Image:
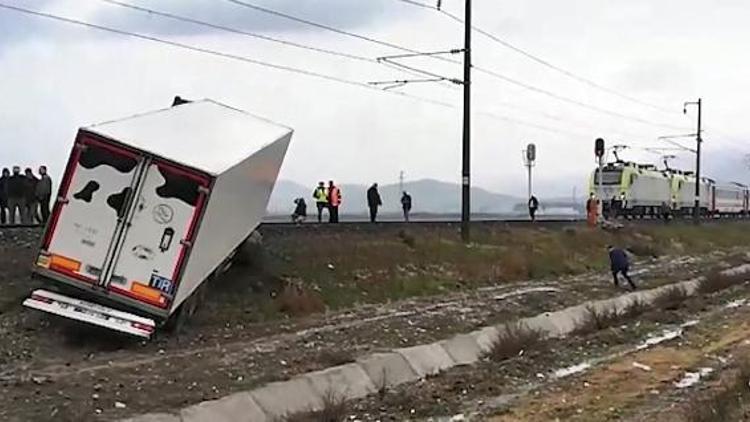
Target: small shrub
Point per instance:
(718, 281)
(334, 410)
(645, 250)
(407, 238)
(513, 339)
(296, 301)
(596, 320)
(671, 299)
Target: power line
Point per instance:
(571, 100)
(478, 68)
(275, 66)
(238, 31)
(542, 61)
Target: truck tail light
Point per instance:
(146, 292)
(59, 262)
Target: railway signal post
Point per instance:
(599, 153)
(699, 140)
(529, 159)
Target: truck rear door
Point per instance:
(160, 230)
(124, 222)
(88, 213)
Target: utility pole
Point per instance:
(699, 140)
(401, 182)
(466, 167)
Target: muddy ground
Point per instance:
(54, 370)
(612, 375)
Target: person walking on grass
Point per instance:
(619, 264)
(373, 201)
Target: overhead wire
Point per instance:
(540, 60)
(262, 63)
(488, 72)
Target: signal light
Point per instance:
(599, 147)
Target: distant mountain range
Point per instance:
(428, 196)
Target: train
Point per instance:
(639, 190)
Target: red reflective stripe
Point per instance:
(194, 175)
(90, 139)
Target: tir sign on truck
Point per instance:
(152, 206)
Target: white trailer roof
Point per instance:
(204, 135)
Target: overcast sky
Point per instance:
(56, 77)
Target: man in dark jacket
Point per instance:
(32, 204)
(373, 201)
(4, 196)
(406, 205)
(533, 206)
(619, 263)
(44, 193)
(16, 186)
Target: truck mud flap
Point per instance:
(90, 313)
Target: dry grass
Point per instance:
(671, 299)
(334, 409)
(634, 309)
(514, 339)
(728, 402)
(295, 300)
(330, 357)
(718, 281)
(597, 319)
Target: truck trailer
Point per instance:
(149, 208)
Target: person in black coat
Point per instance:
(619, 264)
(373, 201)
(4, 196)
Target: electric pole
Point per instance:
(699, 140)
(401, 182)
(466, 167)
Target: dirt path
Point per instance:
(54, 371)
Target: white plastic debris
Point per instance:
(666, 336)
(642, 366)
(564, 372)
(120, 405)
(521, 292)
(691, 378)
(735, 303)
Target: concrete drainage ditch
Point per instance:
(371, 373)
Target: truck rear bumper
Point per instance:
(91, 313)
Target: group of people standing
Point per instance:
(25, 198)
(330, 198)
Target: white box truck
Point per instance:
(152, 206)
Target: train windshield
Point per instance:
(609, 176)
